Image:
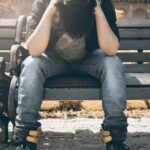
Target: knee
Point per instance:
(37, 67)
(32, 72)
(30, 64)
(112, 64)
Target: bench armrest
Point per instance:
(20, 29)
(18, 54)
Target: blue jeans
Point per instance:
(107, 69)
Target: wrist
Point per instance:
(98, 11)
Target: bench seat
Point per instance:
(81, 86)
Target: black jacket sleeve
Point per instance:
(109, 11)
(38, 9)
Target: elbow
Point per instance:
(111, 50)
(31, 50)
(34, 50)
(34, 54)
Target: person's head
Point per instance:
(76, 16)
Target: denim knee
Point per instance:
(30, 64)
(112, 65)
(32, 67)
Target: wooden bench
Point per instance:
(134, 52)
(135, 43)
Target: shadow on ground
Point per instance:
(85, 140)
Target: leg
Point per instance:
(35, 70)
(109, 71)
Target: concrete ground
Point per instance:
(83, 134)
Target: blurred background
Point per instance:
(128, 9)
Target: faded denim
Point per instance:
(109, 70)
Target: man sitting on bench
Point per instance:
(72, 36)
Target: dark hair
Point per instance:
(76, 16)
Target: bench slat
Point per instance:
(138, 79)
(6, 44)
(91, 93)
(134, 33)
(134, 57)
(134, 23)
(7, 33)
(137, 68)
(80, 80)
(134, 44)
(8, 23)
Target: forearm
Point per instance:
(38, 41)
(108, 41)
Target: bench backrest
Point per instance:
(135, 45)
(10, 33)
(134, 49)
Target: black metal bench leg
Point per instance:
(4, 90)
(4, 129)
